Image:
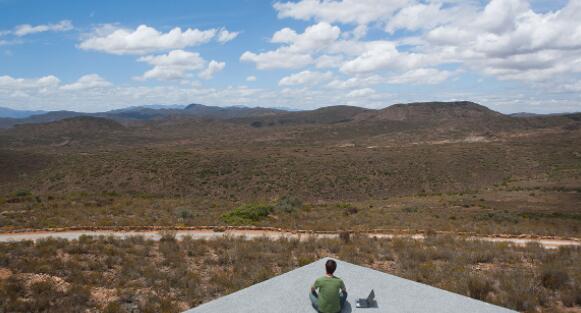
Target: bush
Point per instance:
(167, 236)
(247, 214)
(479, 287)
(345, 236)
(23, 193)
(572, 296)
(554, 278)
(350, 211)
(184, 213)
(288, 204)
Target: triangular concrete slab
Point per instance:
(289, 293)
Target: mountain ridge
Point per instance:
(415, 112)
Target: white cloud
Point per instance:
(503, 38)
(224, 35)
(27, 29)
(329, 61)
(381, 55)
(427, 76)
(299, 49)
(305, 78)
(359, 32)
(508, 40)
(213, 68)
(176, 64)
(418, 16)
(285, 35)
(34, 94)
(361, 93)
(9, 83)
(343, 11)
(144, 39)
(277, 59)
(572, 87)
(356, 82)
(87, 82)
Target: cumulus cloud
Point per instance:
(356, 82)
(365, 45)
(329, 61)
(11, 83)
(213, 68)
(224, 35)
(344, 11)
(503, 38)
(381, 55)
(418, 16)
(87, 82)
(360, 93)
(176, 64)
(277, 59)
(145, 39)
(27, 29)
(507, 39)
(305, 78)
(299, 48)
(428, 76)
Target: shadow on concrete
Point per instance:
(347, 308)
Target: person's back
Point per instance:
(329, 299)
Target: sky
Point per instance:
(90, 56)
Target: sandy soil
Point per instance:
(273, 234)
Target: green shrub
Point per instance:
(23, 193)
(288, 204)
(184, 213)
(247, 214)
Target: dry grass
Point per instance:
(120, 275)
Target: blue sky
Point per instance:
(511, 55)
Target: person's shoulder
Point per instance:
(321, 278)
(337, 278)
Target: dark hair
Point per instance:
(330, 266)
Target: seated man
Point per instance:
(329, 299)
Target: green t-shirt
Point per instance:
(329, 288)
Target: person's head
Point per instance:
(330, 266)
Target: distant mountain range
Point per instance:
(459, 113)
(11, 117)
(12, 113)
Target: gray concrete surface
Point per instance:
(288, 293)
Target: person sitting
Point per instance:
(332, 293)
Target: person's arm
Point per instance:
(314, 287)
(343, 289)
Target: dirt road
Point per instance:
(246, 233)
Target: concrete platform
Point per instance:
(288, 293)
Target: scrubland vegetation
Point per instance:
(137, 275)
(501, 210)
(523, 185)
(434, 168)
